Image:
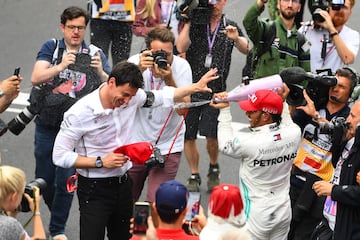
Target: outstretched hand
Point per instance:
(201, 85)
(309, 108)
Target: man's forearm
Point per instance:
(183, 42)
(242, 44)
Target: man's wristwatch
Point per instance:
(98, 162)
(1, 92)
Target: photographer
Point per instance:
(65, 70)
(313, 160)
(12, 185)
(9, 90)
(208, 45)
(342, 208)
(333, 44)
(164, 127)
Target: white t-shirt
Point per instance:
(332, 60)
(150, 121)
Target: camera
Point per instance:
(160, 58)
(156, 161)
(338, 123)
(40, 183)
(317, 5)
(198, 11)
(317, 86)
(18, 124)
(82, 61)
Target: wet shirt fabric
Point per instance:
(221, 54)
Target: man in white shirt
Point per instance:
(333, 44)
(94, 127)
(164, 127)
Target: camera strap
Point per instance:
(177, 131)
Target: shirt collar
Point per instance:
(97, 105)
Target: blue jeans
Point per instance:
(55, 194)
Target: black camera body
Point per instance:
(316, 86)
(40, 183)
(82, 60)
(156, 161)
(160, 58)
(336, 128)
(198, 11)
(317, 5)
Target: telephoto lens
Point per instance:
(18, 124)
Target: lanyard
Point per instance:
(212, 41)
(152, 82)
(166, 12)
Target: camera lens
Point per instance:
(161, 62)
(21, 120)
(40, 183)
(316, 16)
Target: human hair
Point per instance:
(73, 12)
(159, 33)
(276, 118)
(12, 180)
(350, 74)
(148, 10)
(169, 218)
(125, 72)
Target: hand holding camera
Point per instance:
(95, 62)
(31, 197)
(34, 201)
(67, 59)
(146, 60)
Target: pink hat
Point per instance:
(138, 152)
(263, 100)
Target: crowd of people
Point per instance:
(114, 127)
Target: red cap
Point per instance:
(138, 152)
(263, 100)
(225, 201)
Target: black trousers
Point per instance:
(105, 203)
(115, 34)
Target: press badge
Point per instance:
(208, 60)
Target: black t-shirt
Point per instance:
(221, 55)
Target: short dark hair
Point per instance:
(73, 12)
(276, 118)
(159, 33)
(126, 72)
(350, 74)
(170, 218)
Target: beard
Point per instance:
(338, 18)
(338, 21)
(287, 16)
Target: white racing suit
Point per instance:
(266, 155)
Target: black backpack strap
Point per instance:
(267, 39)
(301, 42)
